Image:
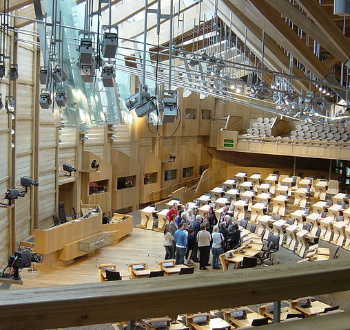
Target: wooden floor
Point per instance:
(141, 245)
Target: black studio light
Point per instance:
(69, 168)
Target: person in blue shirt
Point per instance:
(180, 238)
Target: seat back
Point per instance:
(259, 322)
(243, 223)
(112, 275)
(156, 273)
(273, 242)
(249, 262)
(185, 271)
(252, 228)
(330, 309)
(62, 212)
(55, 220)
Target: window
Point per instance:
(98, 187)
(187, 172)
(190, 113)
(149, 178)
(202, 168)
(206, 114)
(170, 175)
(126, 182)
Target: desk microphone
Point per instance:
(147, 259)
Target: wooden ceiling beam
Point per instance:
(270, 20)
(302, 21)
(330, 30)
(27, 12)
(15, 4)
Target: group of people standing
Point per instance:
(186, 234)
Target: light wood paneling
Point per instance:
(4, 160)
(24, 100)
(24, 136)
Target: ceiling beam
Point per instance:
(270, 20)
(275, 58)
(27, 12)
(302, 21)
(15, 4)
(330, 30)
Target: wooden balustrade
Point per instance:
(95, 303)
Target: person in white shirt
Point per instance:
(216, 246)
(168, 242)
(203, 239)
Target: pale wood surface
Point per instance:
(64, 306)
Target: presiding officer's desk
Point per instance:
(70, 240)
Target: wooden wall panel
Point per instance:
(67, 155)
(4, 228)
(24, 100)
(23, 217)
(24, 136)
(4, 159)
(23, 166)
(25, 64)
(47, 199)
(47, 136)
(46, 160)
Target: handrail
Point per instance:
(95, 303)
(172, 186)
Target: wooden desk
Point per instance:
(162, 219)
(263, 197)
(257, 210)
(236, 256)
(264, 188)
(240, 177)
(283, 315)
(249, 194)
(216, 192)
(138, 273)
(326, 228)
(305, 183)
(279, 205)
(172, 202)
(335, 210)
(263, 227)
(300, 196)
(204, 209)
(283, 190)
(278, 227)
(61, 243)
(239, 209)
(316, 307)
(272, 179)
(255, 178)
(169, 270)
(291, 240)
(299, 216)
(246, 186)
(239, 323)
(338, 233)
(231, 183)
(221, 202)
(147, 217)
(204, 199)
(338, 198)
(215, 323)
(233, 193)
(320, 190)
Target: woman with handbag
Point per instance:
(217, 247)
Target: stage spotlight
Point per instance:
(45, 99)
(142, 103)
(109, 44)
(87, 73)
(43, 75)
(86, 51)
(26, 182)
(13, 72)
(13, 193)
(61, 97)
(169, 106)
(95, 165)
(58, 74)
(108, 75)
(10, 104)
(68, 168)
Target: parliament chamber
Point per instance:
(174, 164)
